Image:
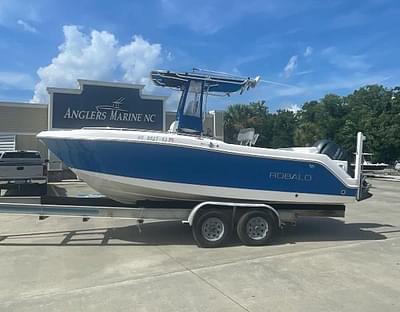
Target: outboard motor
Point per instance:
(335, 152)
(330, 148)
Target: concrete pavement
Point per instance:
(62, 264)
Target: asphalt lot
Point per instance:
(63, 264)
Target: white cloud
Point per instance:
(26, 26)
(96, 56)
(172, 102)
(170, 57)
(304, 72)
(350, 82)
(207, 18)
(309, 50)
(236, 71)
(16, 80)
(346, 61)
(13, 10)
(294, 108)
(290, 66)
(138, 58)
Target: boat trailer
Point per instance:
(212, 222)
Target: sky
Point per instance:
(301, 49)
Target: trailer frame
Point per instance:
(228, 216)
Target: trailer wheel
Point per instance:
(256, 227)
(211, 228)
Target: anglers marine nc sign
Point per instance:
(112, 112)
(108, 105)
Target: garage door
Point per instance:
(7, 143)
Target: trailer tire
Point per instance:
(211, 228)
(256, 227)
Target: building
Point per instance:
(19, 124)
(93, 104)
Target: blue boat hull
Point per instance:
(173, 166)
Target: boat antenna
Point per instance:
(281, 84)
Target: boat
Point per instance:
(368, 165)
(128, 165)
(116, 106)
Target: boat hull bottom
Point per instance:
(129, 190)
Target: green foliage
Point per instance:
(254, 115)
(374, 110)
(276, 130)
(283, 128)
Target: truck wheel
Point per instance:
(211, 228)
(256, 227)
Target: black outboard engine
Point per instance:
(334, 151)
(330, 148)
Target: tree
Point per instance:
(240, 116)
(306, 134)
(373, 109)
(320, 119)
(283, 128)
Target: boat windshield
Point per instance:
(193, 99)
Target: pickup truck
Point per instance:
(23, 171)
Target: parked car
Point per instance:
(397, 165)
(23, 172)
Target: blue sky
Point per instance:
(310, 47)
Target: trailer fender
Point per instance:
(196, 209)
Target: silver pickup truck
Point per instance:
(23, 172)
